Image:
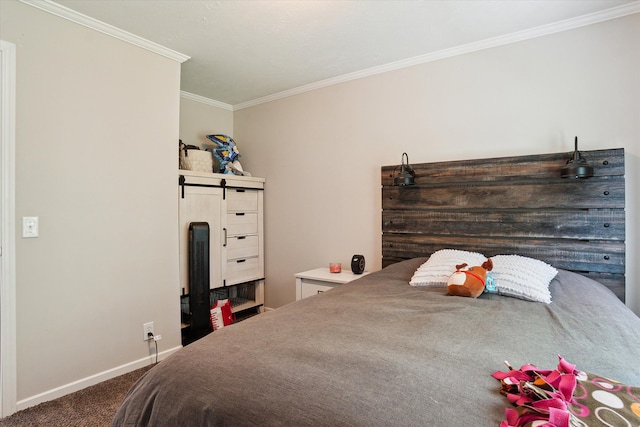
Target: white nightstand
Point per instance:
(318, 280)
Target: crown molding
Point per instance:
(556, 27)
(569, 24)
(204, 100)
(87, 21)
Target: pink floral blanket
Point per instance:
(566, 397)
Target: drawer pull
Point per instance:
(242, 237)
(240, 260)
(240, 190)
(239, 213)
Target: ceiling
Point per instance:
(244, 51)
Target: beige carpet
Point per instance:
(92, 406)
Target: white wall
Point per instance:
(96, 159)
(321, 151)
(199, 119)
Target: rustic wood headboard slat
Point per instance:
(588, 224)
(516, 194)
(532, 167)
(512, 205)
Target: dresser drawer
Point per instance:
(242, 247)
(243, 270)
(242, 223)
(310, 289)
(242, 200)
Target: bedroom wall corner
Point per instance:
(96, 133)
(199, 118)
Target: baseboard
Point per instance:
(91, 380)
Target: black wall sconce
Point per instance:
(406, 175)
(577, 166)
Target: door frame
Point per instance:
(8, 376)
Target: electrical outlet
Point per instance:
(146, 328)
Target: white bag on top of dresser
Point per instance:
(196, 160)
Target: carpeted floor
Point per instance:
(93, 406)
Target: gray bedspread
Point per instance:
(378, 352)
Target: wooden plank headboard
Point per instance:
(513, 205)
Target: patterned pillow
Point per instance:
(522, 277)
(442, 264)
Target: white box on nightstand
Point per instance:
(319, 280)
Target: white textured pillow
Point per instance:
(522, 277)
(442, 264)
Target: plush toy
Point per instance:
(469, 281)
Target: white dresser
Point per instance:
(319, 280)
(233, 208)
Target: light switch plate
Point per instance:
(29, 226)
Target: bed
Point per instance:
(379, 351)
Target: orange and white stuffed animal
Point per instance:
(469, 281)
